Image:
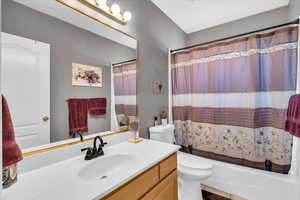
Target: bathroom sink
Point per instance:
(106, 166)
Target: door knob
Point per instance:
(46, 118)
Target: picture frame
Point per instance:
(87, 75)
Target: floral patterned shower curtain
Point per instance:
(230, 99)
(125, 91)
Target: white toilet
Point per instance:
(191, 170)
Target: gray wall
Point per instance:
(68, 44)
(294, 9)
(263, 20)
(155, 33)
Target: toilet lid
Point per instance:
(194, 162)
(161, 128)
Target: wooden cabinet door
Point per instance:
(165, 190)
(167, 166)
(136, 188)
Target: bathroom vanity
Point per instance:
(146, 170)
(158, 182)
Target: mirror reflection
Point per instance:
(124, 81)
(63, 81)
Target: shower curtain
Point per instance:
(124, 77)
(114, 124)
(230, 99)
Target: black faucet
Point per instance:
(95, 152)
(78, 133)
(100, 147)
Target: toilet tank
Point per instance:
(162, 133)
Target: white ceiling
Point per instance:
(196, 15)
(57, 10)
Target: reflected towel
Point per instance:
(97, 106)
(292, 124)
(11, 152)
(78, 115)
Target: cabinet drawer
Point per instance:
(167, 166)
(165, 190)
(137, 187)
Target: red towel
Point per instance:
(78, 115)
(97, 106)
(292, 124)
(11, 152)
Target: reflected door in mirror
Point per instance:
(26, 85)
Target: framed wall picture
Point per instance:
(86, 75)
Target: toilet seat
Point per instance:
(191, 162)
(193, 168)
(192, 171)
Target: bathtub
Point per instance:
(252, 184)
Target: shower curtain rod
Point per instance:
(124, 62)
(235, 36)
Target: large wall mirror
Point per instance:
(65, 74)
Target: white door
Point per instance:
(26, 86)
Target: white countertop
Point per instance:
(62, 181)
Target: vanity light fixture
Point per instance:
(113, 12)
(115, 9)
(127, 16)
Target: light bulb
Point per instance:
(115, 9)
(103, 2)
(127, 16)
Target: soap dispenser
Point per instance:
(156, 123)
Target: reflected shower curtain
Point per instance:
(125, 91)
(114, 124)
(230, 99)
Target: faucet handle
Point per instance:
(89, 154)
(86, 149)
(103, 144)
